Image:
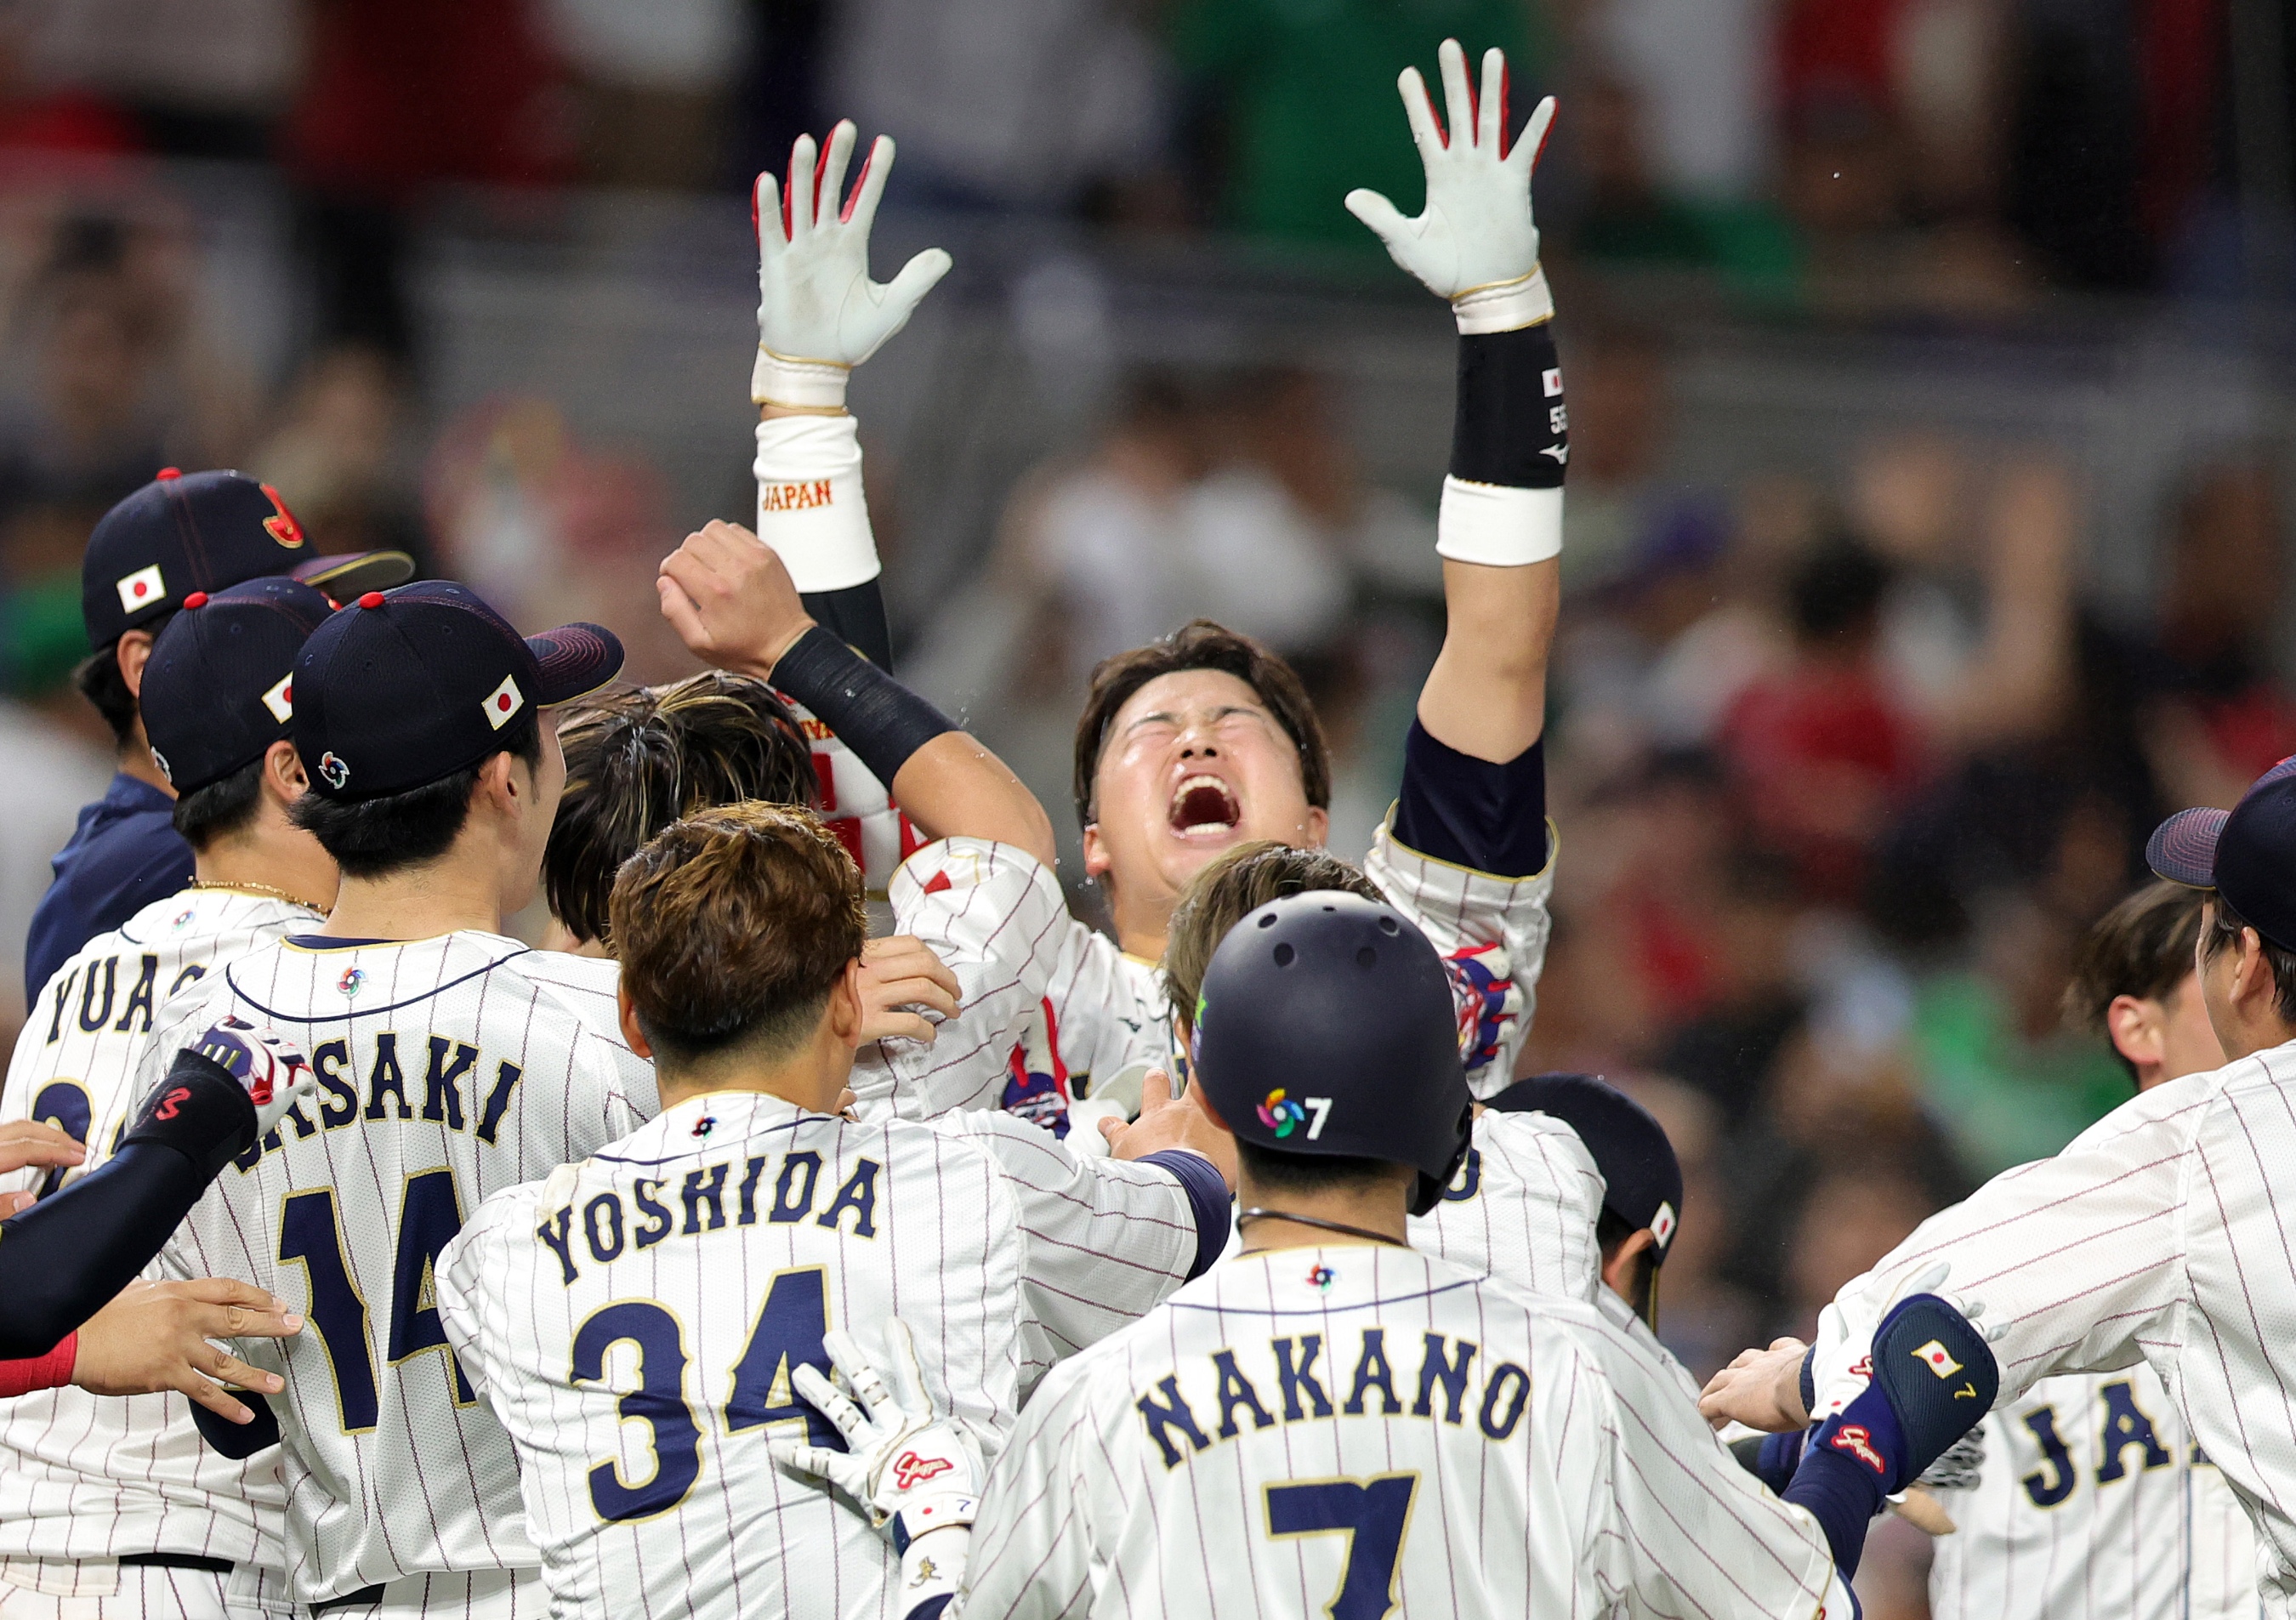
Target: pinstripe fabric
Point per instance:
(986, 1236)
(83, 1475)
(102, 1591)
(2094, 1505)
(2161, 1234)
(467, 1054)
(1598, 1487)
(1522, 1208)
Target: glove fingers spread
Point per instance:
(1490, 126)
(861, 209)
(829, 1401)
(1381, 215)
(1458, 94)
(1426, 130)
(829, 184)
(797, 216)
(908, 1375)
(766, 205)
(817, 1461)
(918, 277)
(1533, 141)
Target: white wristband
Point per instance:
(1504, 305)
(811, 507)
(786, 380)
(1497, 526)
(933, 1564)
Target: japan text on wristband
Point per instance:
(810, 504)
(789, 380)
(1504, 305)
(1499, 526)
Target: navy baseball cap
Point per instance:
(219, 687)
(404, 687)
(206, 531)
(1642, 1178)
(2246, 853)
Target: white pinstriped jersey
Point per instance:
(1106, 1012)
(1522, 1208)
(685, 1272)
(1355, 1430)
(2156, 1235)
(448, 1067)
(85, 1476)
(996, 917)
(2093, 1505)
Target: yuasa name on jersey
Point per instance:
(772, 1188)
(435, 1078)
(86, 996)
(1299, 1378)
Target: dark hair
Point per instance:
(1835, 591)
(1272, 1170)
(2142, 948)
(1201, 645)
(733, 925)
(641, 758)
(373, 838)
(98, 678)
(2224, 930)
(223, 807)
(1232, 888)
(1611, 1231)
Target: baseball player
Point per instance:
(449, 1060)
(2153, 1237)
(1206, 740)
(87, 1482)
(1331, 1421)
(636, 1320)
(2092, 1500)
(177, 535)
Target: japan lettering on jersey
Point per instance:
(91, 1476)
(1359, 1430)
(2093, 1505)
(1522, 1208)
(448, 1069)
(634, 1321)
(1109, 1013)
(2159, 1233)
(875, 831)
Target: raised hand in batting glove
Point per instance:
(223, 1094)
(1475, 241)
(819, 315)
(911, 1468)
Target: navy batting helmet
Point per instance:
(1325, 1026)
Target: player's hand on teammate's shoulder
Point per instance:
(26, 1143)
(1167, 1122)
(154, 1337)
(901, 982)
(730, 600)
(1762, 1389)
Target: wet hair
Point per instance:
(1232, 888)
(1201, 645)
(734, 925)
(373, 838)
(641, 758)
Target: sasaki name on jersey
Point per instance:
(1286, 1378)
(449, 1077)
(777, 1189)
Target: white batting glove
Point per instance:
(1474, 243)
(275, 1075)
(909, 1467)
(1837, 1378)
(819, 315)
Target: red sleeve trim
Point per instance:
(37, 1372)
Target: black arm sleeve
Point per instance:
(238, 1441)
(64, 1259)
(856, 616)
(1511, 426)
(880, 719)
(1488, 818)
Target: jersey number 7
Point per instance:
(1373, 1513)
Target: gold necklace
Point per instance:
(260, 888)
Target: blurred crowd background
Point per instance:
(1932, 406)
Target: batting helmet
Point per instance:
(1325, 1026)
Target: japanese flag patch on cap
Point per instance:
(280, 700)
(505, 702)
(142, 588)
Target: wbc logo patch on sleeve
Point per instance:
(280, 700)
(141, 589)
(504, 701)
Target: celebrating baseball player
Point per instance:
(1333, 1420)
(1206, 740)
(2151, 1238)
(637, 1320)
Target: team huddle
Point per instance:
(717, 1258)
